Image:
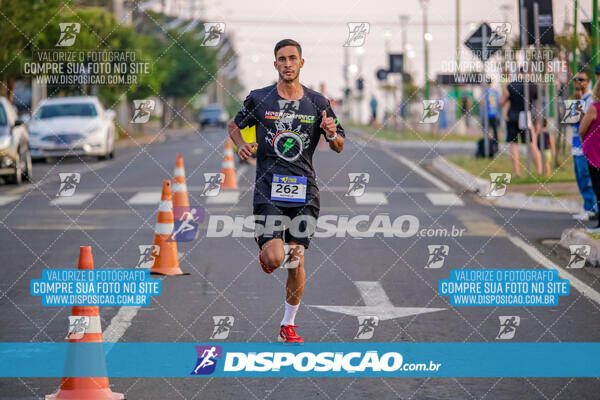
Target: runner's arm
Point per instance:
(337, 145)
(245, 150)
(245, 117)
(235, 133)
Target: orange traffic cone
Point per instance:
(167, 261)
(181, 202)
(228, 167)
(96, 388)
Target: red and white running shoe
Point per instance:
(287, 334)
(266, 269)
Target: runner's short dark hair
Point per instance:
(287, 42)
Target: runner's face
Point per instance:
(288, 63)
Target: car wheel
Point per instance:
(111, 155)
(17, 177)
(28, 172)
(106, 155)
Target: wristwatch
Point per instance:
(331, 138)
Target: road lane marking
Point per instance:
(371, 198)
(4, 200)
(417, 169)
(444, 199)
(479, 225)
(224, 197)
(377, 304)
(538, 257)
(145, 198)
(75, 200)
(119, 324)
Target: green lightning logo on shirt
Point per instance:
(289, 143)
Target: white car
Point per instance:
(72, 126)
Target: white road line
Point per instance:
(444, 199)
(118, 325)
(224, 197)
(371, 198)
(377, 304)
(4, 200)
(373, 294)
(418, 170)
(75, 200)
(546, 263)
(145, 198)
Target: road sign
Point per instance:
(476, 45)
(396, 63)
(545, 21)
(381, 74)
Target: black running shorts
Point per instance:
(302, 228)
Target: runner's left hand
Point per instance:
(328, 124)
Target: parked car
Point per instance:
(15, 158)
(213, 114)
(65, 126)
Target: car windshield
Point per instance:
(211, 111)
(3, 119)
(67, 110)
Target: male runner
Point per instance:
(289, 119)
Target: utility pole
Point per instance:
(574, 61)
(456, 87)
(425, 49)
(403, 22)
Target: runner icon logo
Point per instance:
(68, 33)
(358, 183)
(431, 111)
(68, 183)
(579, 252)
(143, 109)
(498, 182)
(366, 327)
(508, 327)
(212, 183)
(573, 111)
(185, 229)
(77, 327)
(223, 324)
(357, 34)
(148, 254)
(213, 32)
(500, 32)
(437, 255)
(207, 359)
(293, 252)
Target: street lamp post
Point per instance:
(403, 22)
(426, 39)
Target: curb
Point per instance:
(578, 237)
(474, 184)
(459, 176)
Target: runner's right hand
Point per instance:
(247, 150)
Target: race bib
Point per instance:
(288, 188)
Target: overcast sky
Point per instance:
(320, 27)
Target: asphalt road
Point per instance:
(225, 277)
